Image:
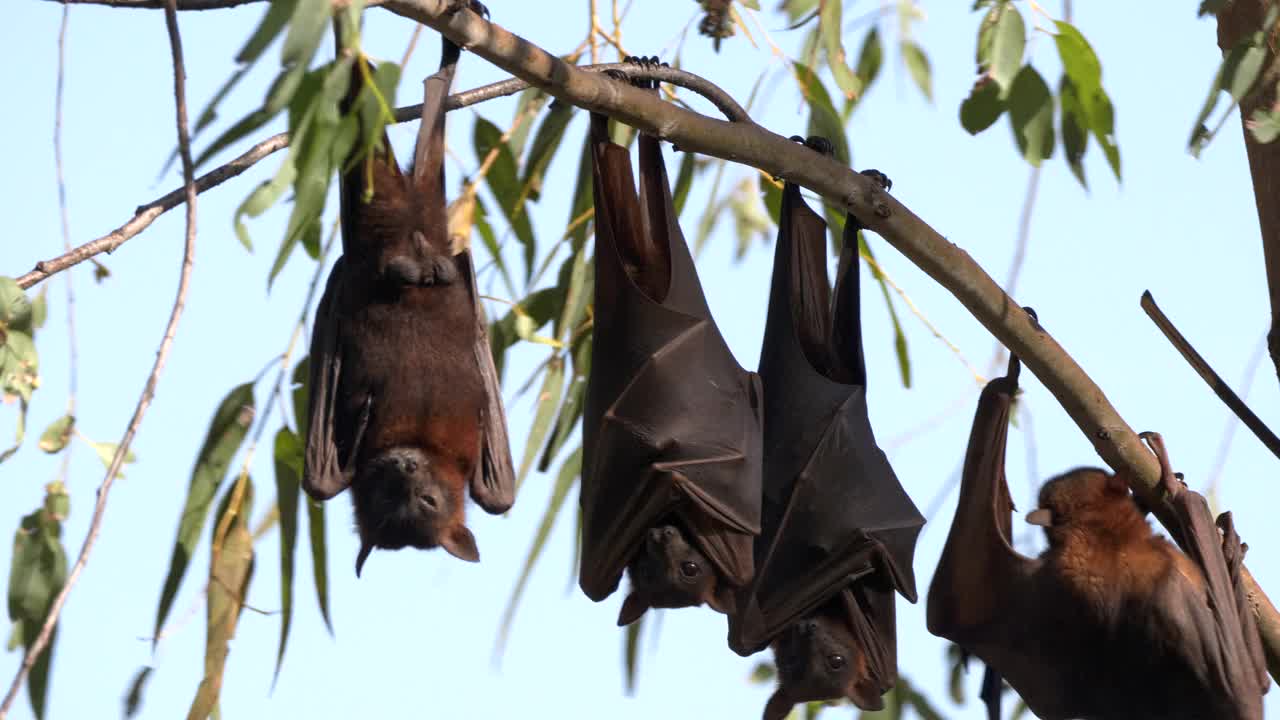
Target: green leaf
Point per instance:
(684, 181)
(1264, 124)
(1079, 62)
(227, 431)
(1075, 136)
(1031, 114)
(577, 277)
(301, 402)
(918, 65)
(545, 143)
(830, 24)
(319, 558)
(229, 576)
(530, 100)
(37, 573)
(39, 309)
(1007, 43)
(870, 59)
(288, 466)
(982, 108)
(19, 365)
(532, 314)
(263, 197)
(275, 19)
(133, 699)
(566, 420)
(306, 29)
(545, 411)
(899, 337)
(505, 186)
(57, 435)
(1241, 68)
(763, 673)
(823, 118)
(914, 699)
(106, 451)
(569, 472)
(631, 653)
(582, 199)
(15, 308)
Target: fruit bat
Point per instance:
(838, 531)
(1111, 621)
(671, 422)
(405, 403)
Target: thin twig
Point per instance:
(1213, 379)
(73, 352)
(148, 392)
(1019, 255)
(1229, 432)
(146, 214)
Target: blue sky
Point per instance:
(414, 637)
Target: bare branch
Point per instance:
(146, 214)
(149, 390)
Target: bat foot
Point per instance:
(649, 62)
(880, 179)
(453, 7)
(1169, 480)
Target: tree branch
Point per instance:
(1236, 21)
(146, 214)
(747, 143)
(948, 264)
(149, 389)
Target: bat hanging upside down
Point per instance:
(838, 530)
(405, 402)
(671, 423)
(1111, 622)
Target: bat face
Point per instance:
(404, 499)
(819, 658)
(670, 572)
(1087, 498)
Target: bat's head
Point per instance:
(405, 498)
(670, 572)
(819, 658)
(1090, 500)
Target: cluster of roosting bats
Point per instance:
(760, 494)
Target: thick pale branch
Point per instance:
(945, 262)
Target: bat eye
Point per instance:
(835, 662)
(690, 569)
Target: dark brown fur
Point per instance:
(1111, 621)
(406, 408)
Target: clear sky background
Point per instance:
(415, 636)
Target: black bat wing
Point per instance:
(671, 422)
(834, 511)
(330, 454)
(1218, 638)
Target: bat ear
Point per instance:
(1117, 484)
(460, 543)
(722, 600)
(632, 608)
(779, 706)
(365, 549)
